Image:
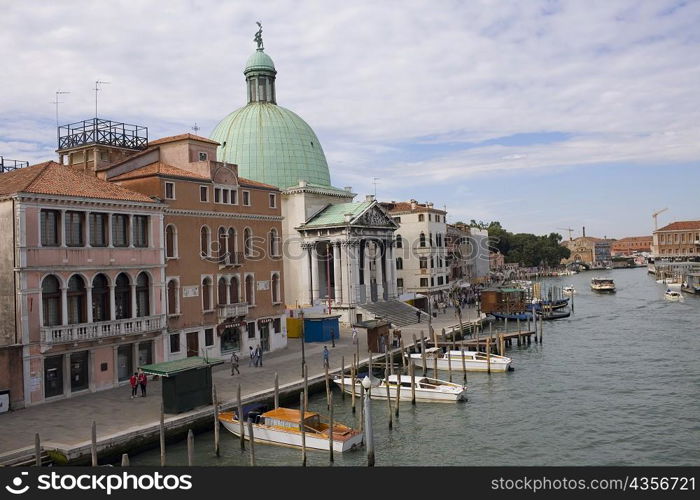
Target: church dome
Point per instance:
(269, 143)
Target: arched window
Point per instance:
(399, 241)
(223, 247)
(172, 297)
(232, 246)
(422, 239)
(100, 298)
(233, 290)
(399, 263)
(274, 243)
(206, 294)
(122, 297)
(275, 288)
(51, 301)
(221, 291)
(204, 241)
(143, 295)
(170, 242)
(249, 290)
(421, 217)
(248, 242)
(77, 296)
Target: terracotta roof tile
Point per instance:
(54, 179)
(181, 137)
(159, 168)
(249, 182)
(681, 225)
(405, 206)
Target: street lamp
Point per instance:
(369, 438)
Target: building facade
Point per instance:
(222, 237)
(421, 247)
(589, 251)
(631, 245)
(82, 274)
(678, 241)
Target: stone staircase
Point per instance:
(399, 313)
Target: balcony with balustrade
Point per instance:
(82, 332)
(226, 311)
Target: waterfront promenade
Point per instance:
(66, 425)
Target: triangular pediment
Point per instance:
(374, 216)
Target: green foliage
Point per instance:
(526, 249)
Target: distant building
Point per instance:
(679, 241)
(467, 252)
(631, 245)
(589, 250)
(496, 261)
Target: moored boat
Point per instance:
(602, 285)
(429, 390)
(569, 290)
(548, 315)
(282, 426)
(474, 361)
(673, 295)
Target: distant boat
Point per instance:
(602, 285)
(522, 316)
(553, 315)
(673, 296)
(569, 290)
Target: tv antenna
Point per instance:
(196, 128)
(567, 229)
(57, 102)
(97, 89)
(374, 181)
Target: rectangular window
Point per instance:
(120, 234)
(74, 229)
(50, 222)
(203, 193)
(277, 325)
(234, 197)
(169, 191)
(399, 282)
(209, 337)
(98, 230)
(217, 195)
(273, 200)
(140, 231)
(225, 198)
(203, 156)
(423, 263)
(246, 198)
(175, 342)
(424, 282)
(251, 330)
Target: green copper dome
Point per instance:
(269, 143)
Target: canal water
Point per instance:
(618, 383)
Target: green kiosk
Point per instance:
(186, 382)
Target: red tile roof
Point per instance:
(634, 238)
(405, 206)
(181, 137)
(681, 225)
(251, 183)
(54, 179)
(159, 168)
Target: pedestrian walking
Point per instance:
(143, 380)
(134, 382)
(251, 353)
(326, 355)
(258, 355)
(234, 364)
(354, 335)
(418, 315)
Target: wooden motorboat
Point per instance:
(602, 285)
(548, 315)
(474, 361)
(282, 426)
(673, 295)
(569, 290)
(429, 390)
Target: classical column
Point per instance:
(133, 300)
(315, 288)
(305, 275)
(64, 306)
(365, 274)
(112, 302)
(353, 256)
(378, 257)
(88, 306)
(337, 273)
(389, 270)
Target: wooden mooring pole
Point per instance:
(306, 386)
(342, 378)
(331, 425)
(488, 355)
(422, 352)
(464, 366)
(328, 387)
(37, 450)
(388, 397)
(277, 390)
(190, 448)
(93, 444)
(251, 440)
(162, 435)
(216, 420)
(412, 369)
(352, 383)
(302, 427)
(240, 417)
(125, 459)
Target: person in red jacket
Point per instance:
(143, 380)
(134, 382)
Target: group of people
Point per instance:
(256, 359)
(138, 379)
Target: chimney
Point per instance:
(413, 204)
(302, 183)
(348, 189)
(348, 218)
(369, 197)
(430, 204)
(584, 231)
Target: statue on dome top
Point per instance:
(258, 36)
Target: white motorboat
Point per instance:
(673, 295)
(429, 390)
(474, 361)
(569, 290)
(282, 426)
(602, 285)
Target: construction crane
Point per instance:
(567, 229)
(655, 215)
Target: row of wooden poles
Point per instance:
(304, 400)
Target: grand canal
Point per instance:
(618, 383)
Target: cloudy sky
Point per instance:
(540, 114)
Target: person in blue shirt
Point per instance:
(326, 354)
